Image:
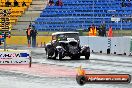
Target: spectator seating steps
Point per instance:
(21, 27)
(39, 2)
(23, 22)
(36, 8)
(26, 18)
(31, 14)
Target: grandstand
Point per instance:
(73, 15)
(21, 16)
(15, 11)
(80, 14)
(30, 14)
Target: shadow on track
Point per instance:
(65, 59)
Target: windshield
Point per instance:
(63, 37)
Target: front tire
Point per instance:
(87, 56)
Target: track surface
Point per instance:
(97, 64)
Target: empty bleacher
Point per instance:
(15, 11)
(80, 14)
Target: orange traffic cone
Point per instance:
(110, 32)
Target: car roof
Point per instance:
(56, 33)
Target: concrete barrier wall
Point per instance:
(117, 45)
(97, 44)
(121, 45)
(114, 45)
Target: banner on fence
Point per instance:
(14, 57)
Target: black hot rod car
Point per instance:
(66, 44)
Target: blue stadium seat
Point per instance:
(80, 14)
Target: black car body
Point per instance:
(66, 44)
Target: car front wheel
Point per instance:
(87, 56)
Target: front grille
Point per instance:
(73, 50)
